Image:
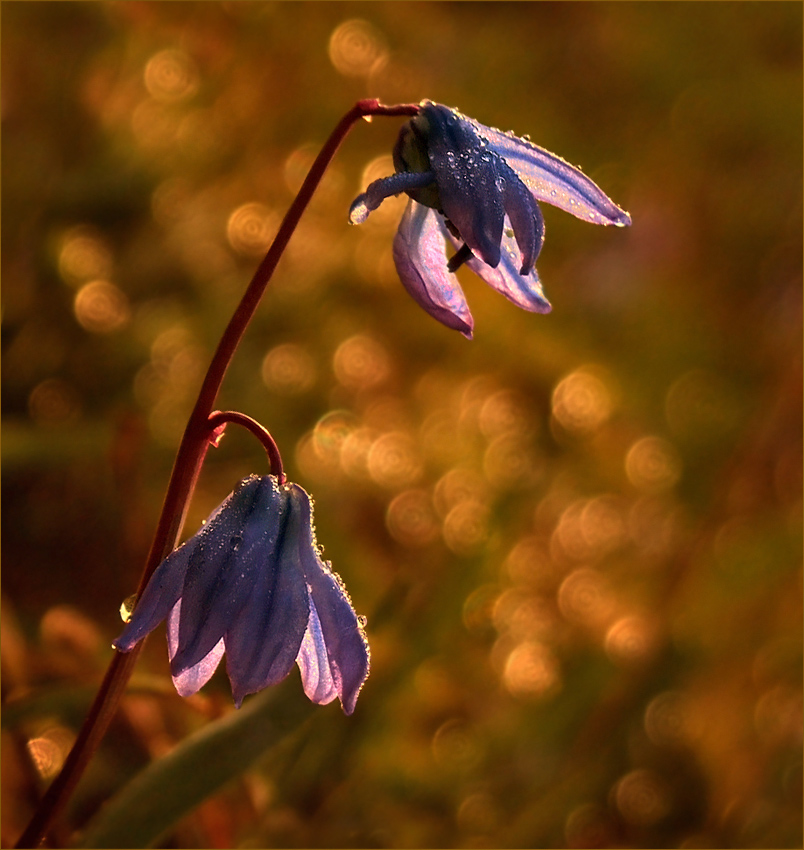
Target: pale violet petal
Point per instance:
(191, 681)
(341, 631)
(524, 290)
(421, 262)
(553, 180)
(316, 676)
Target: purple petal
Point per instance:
(524, 290)
(264, 639)
(191, 681)
(525, 216)
(160, 595)
(341, 632)
(467, 180)
(227, 561)
(314, 663)
(552, 179)
(421, 262)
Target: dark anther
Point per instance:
(464, 254)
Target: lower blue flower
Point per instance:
(251, 584)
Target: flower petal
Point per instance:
(191, 681)
(466, 175)
(227, 561)
(525, 216)
(421, 263)
(160, 595)
(341, 632)
(552, 179)
(524, 290)
(314, 663)
(263, 639)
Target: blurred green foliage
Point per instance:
(577, 539)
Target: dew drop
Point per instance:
(235, 542)
(127, 608)
(361, 621)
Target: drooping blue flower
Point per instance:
(251, 584)
(476, 189)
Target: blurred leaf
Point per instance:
(175, 784)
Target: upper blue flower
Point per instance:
(476, 188)
(251, 583)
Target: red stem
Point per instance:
(219, 419)
(186, 467)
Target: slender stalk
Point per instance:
(219, 419)
(186, 468)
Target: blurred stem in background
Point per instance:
(198, 434)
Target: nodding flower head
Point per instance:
(476, 189)
(251, 583)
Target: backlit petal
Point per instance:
(342, 633)
(524, 290)
(313, 663)
(191, 681)
(226, 563)
(421, 262)
(263, 639)
(160, 595)
(554, 180)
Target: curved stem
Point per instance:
(186, 467)
(219, 419)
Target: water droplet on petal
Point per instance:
(361, 621)
(235, 542)
(127, 608)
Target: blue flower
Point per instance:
(476, 189)
(252, 583)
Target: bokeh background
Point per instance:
(577, 538)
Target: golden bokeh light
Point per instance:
(100, 307)
(84, 255)
(455, 746)
(653, 465)
(631, 640)
(589, 529)
(528, 563)
(524, 616)
(504, 413)
(671, 719)
(584, 597)
(48, 750)
(511, 461)
(642, 797)
(288, 369)
(330, 433)
(411, 519)
(54, 402)
(357, 48)
(466, 528)
(531, 670)
(582, 401)
(394, 461)
(457, 486)
(589, 825)
(361, 363)
(251, 229)
(171, 76)
(355, 451)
